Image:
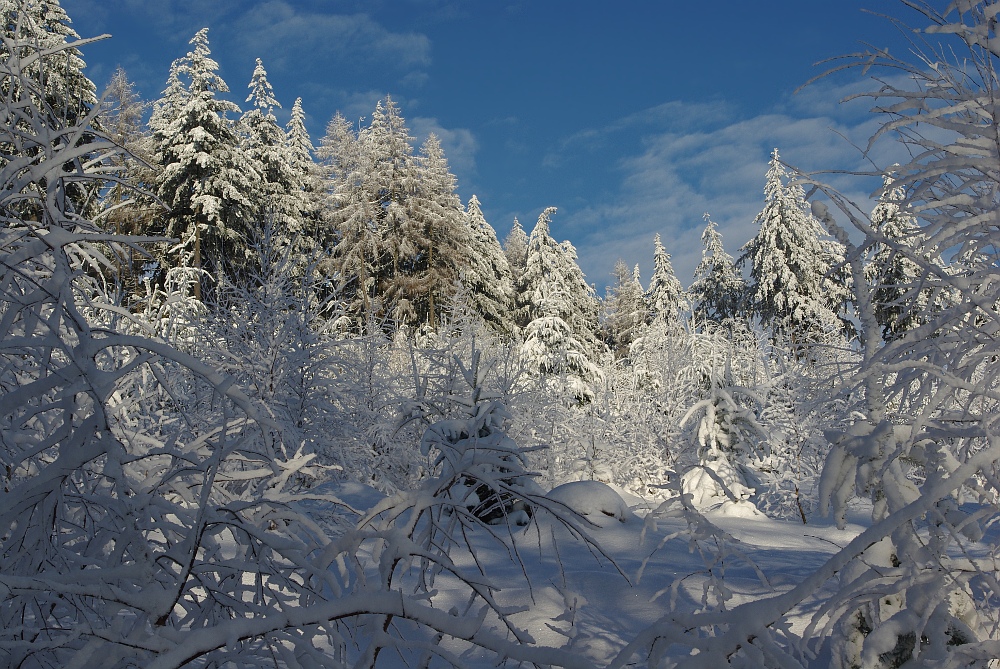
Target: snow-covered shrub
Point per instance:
(700, 639)
(925, 448)
(270, 329)
(797, 408)
(551, 350)
(140, 492)
(488, 469)
(476, 481)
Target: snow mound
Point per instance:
(596, 501)
(739, 509)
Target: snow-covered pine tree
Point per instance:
(625, 309)
(899, 300)
(308, 174)
(167, 108)
(717, 289)
(554, 285)
(665, 295)
(279, 192)
(539, 290)
(205, 180)
(441, 235)
(486, 274)
(540, 266)
(585, 308)
(349, 214)
(789, 261)
(559, 310)
(63, 86)
(515, 247)
(68, 91)
(390, 178)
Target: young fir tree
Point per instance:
(205, 180)
(278, 193)
(717, 289)
(665, 295)
(486, 274)
(790, 258)
(515, 247)
(559, 311)
(441, 235)
(625, 309)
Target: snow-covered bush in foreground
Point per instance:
(140, 494)
(927, 452)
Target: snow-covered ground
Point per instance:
(637, 564)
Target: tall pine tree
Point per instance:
(205, 181)
(349, 215)
(389, 179)
(790, 258)
(307, 174)
(486, 274)
(441, 236)
(278, 194)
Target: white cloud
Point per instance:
(321, 41)
(698, 158)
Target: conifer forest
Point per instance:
(273, 400)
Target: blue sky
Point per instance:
(633, 117)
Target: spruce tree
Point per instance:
(790, 258)
(665, 296)
(349, 215)
(553, 285)
(307, 174)
(486, 274)
(515, 247)
(898, 299)
(279, 192)
(389, 178)
(559, 315)
(69, 93)
(205, 180)
(717, 289)
(60, 84)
